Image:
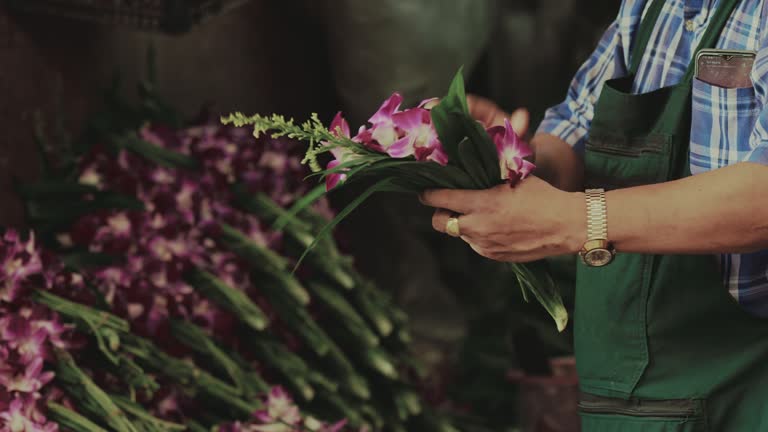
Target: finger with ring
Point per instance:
(452, 227)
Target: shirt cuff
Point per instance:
(567, 130)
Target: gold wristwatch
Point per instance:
(597, 250)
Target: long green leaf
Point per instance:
(379, 186)
(472, 163)
(484, 148)
(302, 203)
(155, 153)
(450, 132)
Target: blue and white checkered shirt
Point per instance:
(728, 125)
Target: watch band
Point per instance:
(597, 214)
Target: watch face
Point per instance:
(598, 257)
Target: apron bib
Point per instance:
(661, 346)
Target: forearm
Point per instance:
(722, 211)
(557, 163)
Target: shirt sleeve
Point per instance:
(570, 120)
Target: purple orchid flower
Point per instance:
(511, 150)
(30, 381)
(339, 127)
(383, 131)
(19, 261)
(18, 332)
(22, 416)
(279, 409)
(420, 139)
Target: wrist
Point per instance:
(575, 226)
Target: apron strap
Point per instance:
(644, 34)
(708, 39)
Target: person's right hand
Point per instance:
(489, 114)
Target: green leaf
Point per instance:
(155, 153)
(536, 279)
(380, 186)
(450, 132)
(302, 203)
(57, 190)
(472, 163)
(484, 148)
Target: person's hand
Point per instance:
(531, 221)
(489, 114)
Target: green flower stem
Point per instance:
(352, 321)
(187, 374)
(264, 261)
(229, 298)
(323, 259)
(104, 326)
(89, 396)
(69, 420)
(194, 426)
(248, 383)
(377, 314)
(349, 376)
(141, 417)
(291, 366)
(134, 376)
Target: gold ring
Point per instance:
(452, 227)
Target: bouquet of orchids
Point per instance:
(436, 145)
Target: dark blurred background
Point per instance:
(301, 56)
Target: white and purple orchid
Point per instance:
(511, 150)
(339, 128)
(22, 415)
(281, 414)
(419, 137)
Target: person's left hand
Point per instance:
(531, 221)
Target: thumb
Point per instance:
(520, 120)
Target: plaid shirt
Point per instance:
(728, 125)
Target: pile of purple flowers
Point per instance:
(28, 334)
(175, 232)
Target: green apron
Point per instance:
(660, 343)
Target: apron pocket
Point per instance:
(601, 414)
(617, 161)
(623, 423)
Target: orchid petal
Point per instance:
(411, 119)
(339, 125)
(430, 103)
(334, 178)
(387, 108)
(401, 148)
